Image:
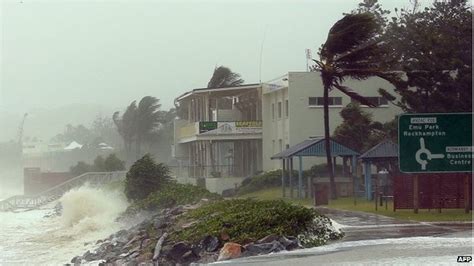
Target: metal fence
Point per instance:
(34, 201)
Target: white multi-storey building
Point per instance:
(292, 110)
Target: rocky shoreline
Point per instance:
(149, 242)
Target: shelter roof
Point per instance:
(384, 150)
(314, 147)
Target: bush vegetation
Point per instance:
(109, 164)
(247, 220)
(145, 177)
(172, 194)
(273, 178)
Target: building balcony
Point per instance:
(217, 130)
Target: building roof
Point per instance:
(73, 145)
(314, 147)
(201, 90)
(384, 150)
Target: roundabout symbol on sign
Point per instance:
(429, 155)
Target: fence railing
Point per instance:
(42, 198)
(224, 170)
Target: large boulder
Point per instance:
(182, 253)
(264, 248)
(210, 243)
(230, 251)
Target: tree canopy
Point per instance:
(224, 77)
(144, 177)
(433, 48)
(358, 131)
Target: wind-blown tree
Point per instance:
(352, 50)
(224, 77)
(433, 47)
(147, 119)
(358, 131)
(126, 126)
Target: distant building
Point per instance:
(58, 156)
(219, 132)
(292, 110)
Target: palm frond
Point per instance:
(349, 32)
(394, 77)
(367, 55)
(354, 95)
(224, 77)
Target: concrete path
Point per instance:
(365, 226)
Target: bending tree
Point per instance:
(434, 48)
(147, 120)
(224, 77)
(126, 126)
(352, 50)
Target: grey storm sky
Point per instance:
(56, 53)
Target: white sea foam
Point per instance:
(88, 215)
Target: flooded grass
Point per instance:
(423, 214)
(363, 205)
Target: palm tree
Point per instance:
(224, 77)
(126, 126)
(147, 119)
(354, 50)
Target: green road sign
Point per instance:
(434, 143)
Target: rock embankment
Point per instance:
(151, 241)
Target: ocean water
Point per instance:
(29, 238)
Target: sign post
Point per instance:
(435, 143)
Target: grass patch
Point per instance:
(275, 193)
(247, 220)
(432, 215)
(172, 194)
(364, 205)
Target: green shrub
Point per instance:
(109, 164)
(319, 170)
(144, 177)
(80, 168)
(172, 194)
(246, 220)
(113, 163)
(262, 181)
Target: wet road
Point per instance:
(366, 226)
(373, 240)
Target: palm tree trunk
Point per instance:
(327, 143)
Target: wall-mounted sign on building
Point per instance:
(432, 143)
(238, 127)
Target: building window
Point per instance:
(273, 147)
(377, 101)
(286, 108)
(279, 109)
(319, 101)
(273, 111)
(281, 144)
